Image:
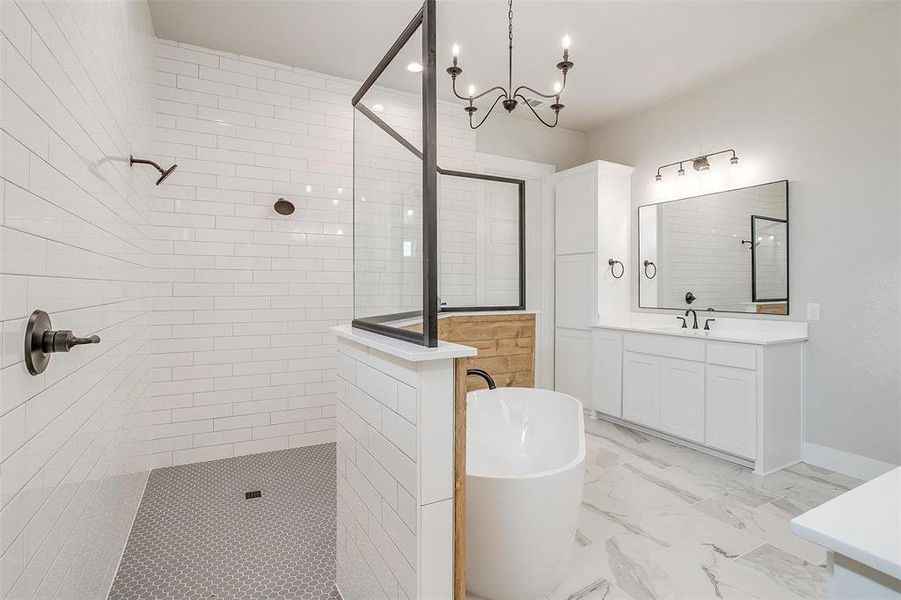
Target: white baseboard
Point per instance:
(855, 465)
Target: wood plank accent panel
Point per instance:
(460, 367)
(506, 345)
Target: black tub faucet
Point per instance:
(484, 375)
(693, 314)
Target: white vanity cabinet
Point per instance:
(731, 412)
(682, 398)
(738, 398)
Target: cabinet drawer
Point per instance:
(732, 355)
(664, 345)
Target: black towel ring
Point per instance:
(647, 264)
(613, 263)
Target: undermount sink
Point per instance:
(680, 330)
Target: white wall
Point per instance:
(527, 139)
(825, 116)
(244, 297)
(76, 96)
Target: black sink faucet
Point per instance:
(693, 314)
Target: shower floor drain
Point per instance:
(253, 494)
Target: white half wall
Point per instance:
(824, 115)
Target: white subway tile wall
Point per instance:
(76, 98)
(244, 297)
(389, 483)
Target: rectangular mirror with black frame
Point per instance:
(726, 251)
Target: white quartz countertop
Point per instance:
(404, 350)
(763, 336)
(863, 524)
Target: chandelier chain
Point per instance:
(510, 22)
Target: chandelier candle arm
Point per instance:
(509, 97)
(534, 112)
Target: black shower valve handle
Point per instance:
(63, 340)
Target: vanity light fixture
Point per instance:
(699, 163)
(507, 96)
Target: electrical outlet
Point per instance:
(813, 311)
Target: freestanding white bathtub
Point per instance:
(525, 450)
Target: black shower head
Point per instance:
(283, 207)
(164, 173)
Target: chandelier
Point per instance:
(508, 97)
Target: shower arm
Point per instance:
(164, 173)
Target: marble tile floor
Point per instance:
(661, 521)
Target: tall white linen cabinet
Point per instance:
(592, 213)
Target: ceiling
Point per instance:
(628, 55)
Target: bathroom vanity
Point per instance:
(733, 391)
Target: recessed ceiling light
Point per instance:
(377, 108)
(309, 188)
(414, 67)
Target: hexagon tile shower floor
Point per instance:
(196, 536)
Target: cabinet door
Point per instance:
(682, 398)
(575, 291)
(731, 423)
(607, 360)
(575, 196)
(572, 359)
(641, 389)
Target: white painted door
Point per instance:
(641, 389)
(682, 398)
(731, 423)
(573, 361)
(607, 359)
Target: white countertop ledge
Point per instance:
(404, 350)
(717, 333)
(863, 524)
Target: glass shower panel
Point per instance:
(388, 197)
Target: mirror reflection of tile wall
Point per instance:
(704, 245)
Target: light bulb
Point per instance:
(733, 163)
(557, 87)
(472, 90)
(309, 188)
(566, 42)
(455, 50)
(410, 212)
(414, 67)
(659, 179)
